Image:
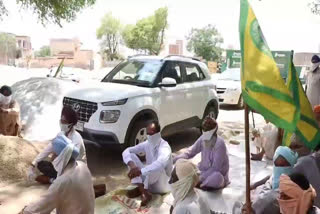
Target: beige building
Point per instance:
(177, 48)
(24, 45)
(68, 49)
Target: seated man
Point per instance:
(266, 191)
(284, 160)
(267, 140)
(309, 165)
(67, 122)
(214, 165)
(184, 178)
(9, 113)
(72, 191)
(296, 195)
(154, 176)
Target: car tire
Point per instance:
(210, 111)
(138, 134)
(240, 103)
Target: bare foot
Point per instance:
(257, 157)
(99, 190)
(43, 179)
(133, 193)
(146, 197)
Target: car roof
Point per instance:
(167, 58)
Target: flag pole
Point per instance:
(247, 149)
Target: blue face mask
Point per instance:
(277, 172)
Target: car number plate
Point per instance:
(79, 126)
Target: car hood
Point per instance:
(104, 92)
(228, 84)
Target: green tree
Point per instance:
(8, 50)
(109, 34)
(51, 11)
(205, 42)
(148, 33)
(43, 52)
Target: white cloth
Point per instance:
(72, 192)
(188, 178)
(192, 204)
(76, 139)
(267, 140)
(63, 159)
(157, 170)
(5, 100)
(313, 87)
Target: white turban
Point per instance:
(65, 150)
(188, 178)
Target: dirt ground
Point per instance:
(107, 167)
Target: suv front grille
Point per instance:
(221, 90)
(83, 108)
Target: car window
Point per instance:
(173, 70)
(231, 74)
(193, 73)
(135, 72)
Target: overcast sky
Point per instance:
(286, 24)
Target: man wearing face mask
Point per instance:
(187, 200)
(67, 122)
(264, 198)
(296, 195)
(214, 165)
(313, 82)
(72, 192)
(153, 176)
(9, 113)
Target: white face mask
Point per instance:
(315, 66)
(154, 139)
(5, 100)
(206, 136)
(65, 127)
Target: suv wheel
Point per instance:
(141, 136)
(211, 112)
(138, 134)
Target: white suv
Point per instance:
(229, 87)
(175, 90)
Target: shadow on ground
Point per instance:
(107, 166)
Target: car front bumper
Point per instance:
(99, 137)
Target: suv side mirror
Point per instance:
(168, 82)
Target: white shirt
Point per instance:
(76, 139)
(157, 159)
(192, 204)
(313, 87)
(71, 193)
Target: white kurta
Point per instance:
(192, 204)
(313, 87)
(157, 170)
(76, 139)
(72, 192)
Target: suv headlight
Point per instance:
(109, 116)
(115, 103)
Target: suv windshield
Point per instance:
(231, 74)
(135, 72)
